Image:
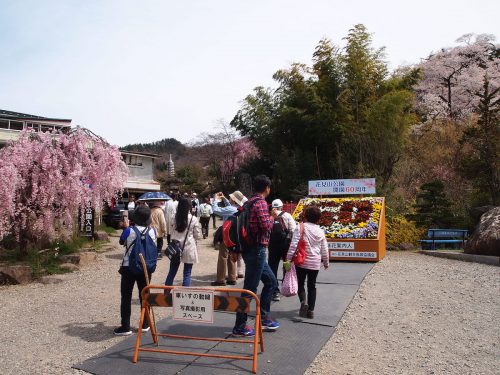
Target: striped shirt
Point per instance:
(316, 249)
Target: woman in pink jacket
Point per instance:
(316, 253)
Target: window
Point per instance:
(35, 127)
(4, 124)
(16, 125)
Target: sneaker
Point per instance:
(121, 331)
(160, 256)
(145, 329)
(231, 282)
(270, 325)
(243, 332)
(303, 310)
(310, 314)
(276, 297)
(241, 276)
(218, 283)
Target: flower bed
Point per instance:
(346, 217)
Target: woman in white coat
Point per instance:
(183, 223)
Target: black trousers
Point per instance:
(204, 221)
(311, 275)
(159, 244)
(127, 286)
(213, 222)
(275, 256)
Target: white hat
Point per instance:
(277, 203)
(238, 197)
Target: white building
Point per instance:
(141, 172)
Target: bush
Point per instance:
(400, 230)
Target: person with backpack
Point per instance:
(137, 239)
(254, 228)
(226, 263)
(205, 214)
(186, 229)
(280, 238)
(316, 254)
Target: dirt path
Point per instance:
(416, 314)
(413, 315)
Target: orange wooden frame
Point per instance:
(257, 341)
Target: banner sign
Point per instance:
(342, 187)
(353, 254)
(195, 305)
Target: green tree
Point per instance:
(432, 207)
(481, 143)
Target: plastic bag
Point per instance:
(290, 286)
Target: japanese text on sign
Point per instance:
(342, 187)
(341, 245)
(353, 254)
(193, 304)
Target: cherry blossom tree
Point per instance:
(47, 178)
(453, 77)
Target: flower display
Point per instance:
(345, 217)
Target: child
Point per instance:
(141, 217)
(316, 253)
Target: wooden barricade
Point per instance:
(220, 303)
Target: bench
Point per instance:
(444, 236)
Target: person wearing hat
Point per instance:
(141, 217)
(225, 263)
(280, 238)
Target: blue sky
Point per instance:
(139, 71)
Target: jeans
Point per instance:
(126, 288)
(257, 270)
(311, 275)
(186, 275)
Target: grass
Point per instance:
(103, 227)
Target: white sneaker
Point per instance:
(145, 329)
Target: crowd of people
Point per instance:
(273, 236)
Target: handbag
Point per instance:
(300, 253)
(290, 285)
(174, 249)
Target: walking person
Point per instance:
(186, 226)
(141, 216)
(316, 253)
(279, 241)
(225, 263)
(159, 224)
(257, 268)
(170, 209)
(205, 214)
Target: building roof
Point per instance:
(151, 155)
(25, 116)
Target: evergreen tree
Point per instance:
(432, 208)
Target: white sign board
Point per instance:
(341, 245)
(342, 187)
(195, 305)
(353, 254)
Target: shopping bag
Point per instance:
(290, 286)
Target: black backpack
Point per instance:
(279, 239)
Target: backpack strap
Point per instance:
(187, 233)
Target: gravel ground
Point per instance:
(416, 314)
